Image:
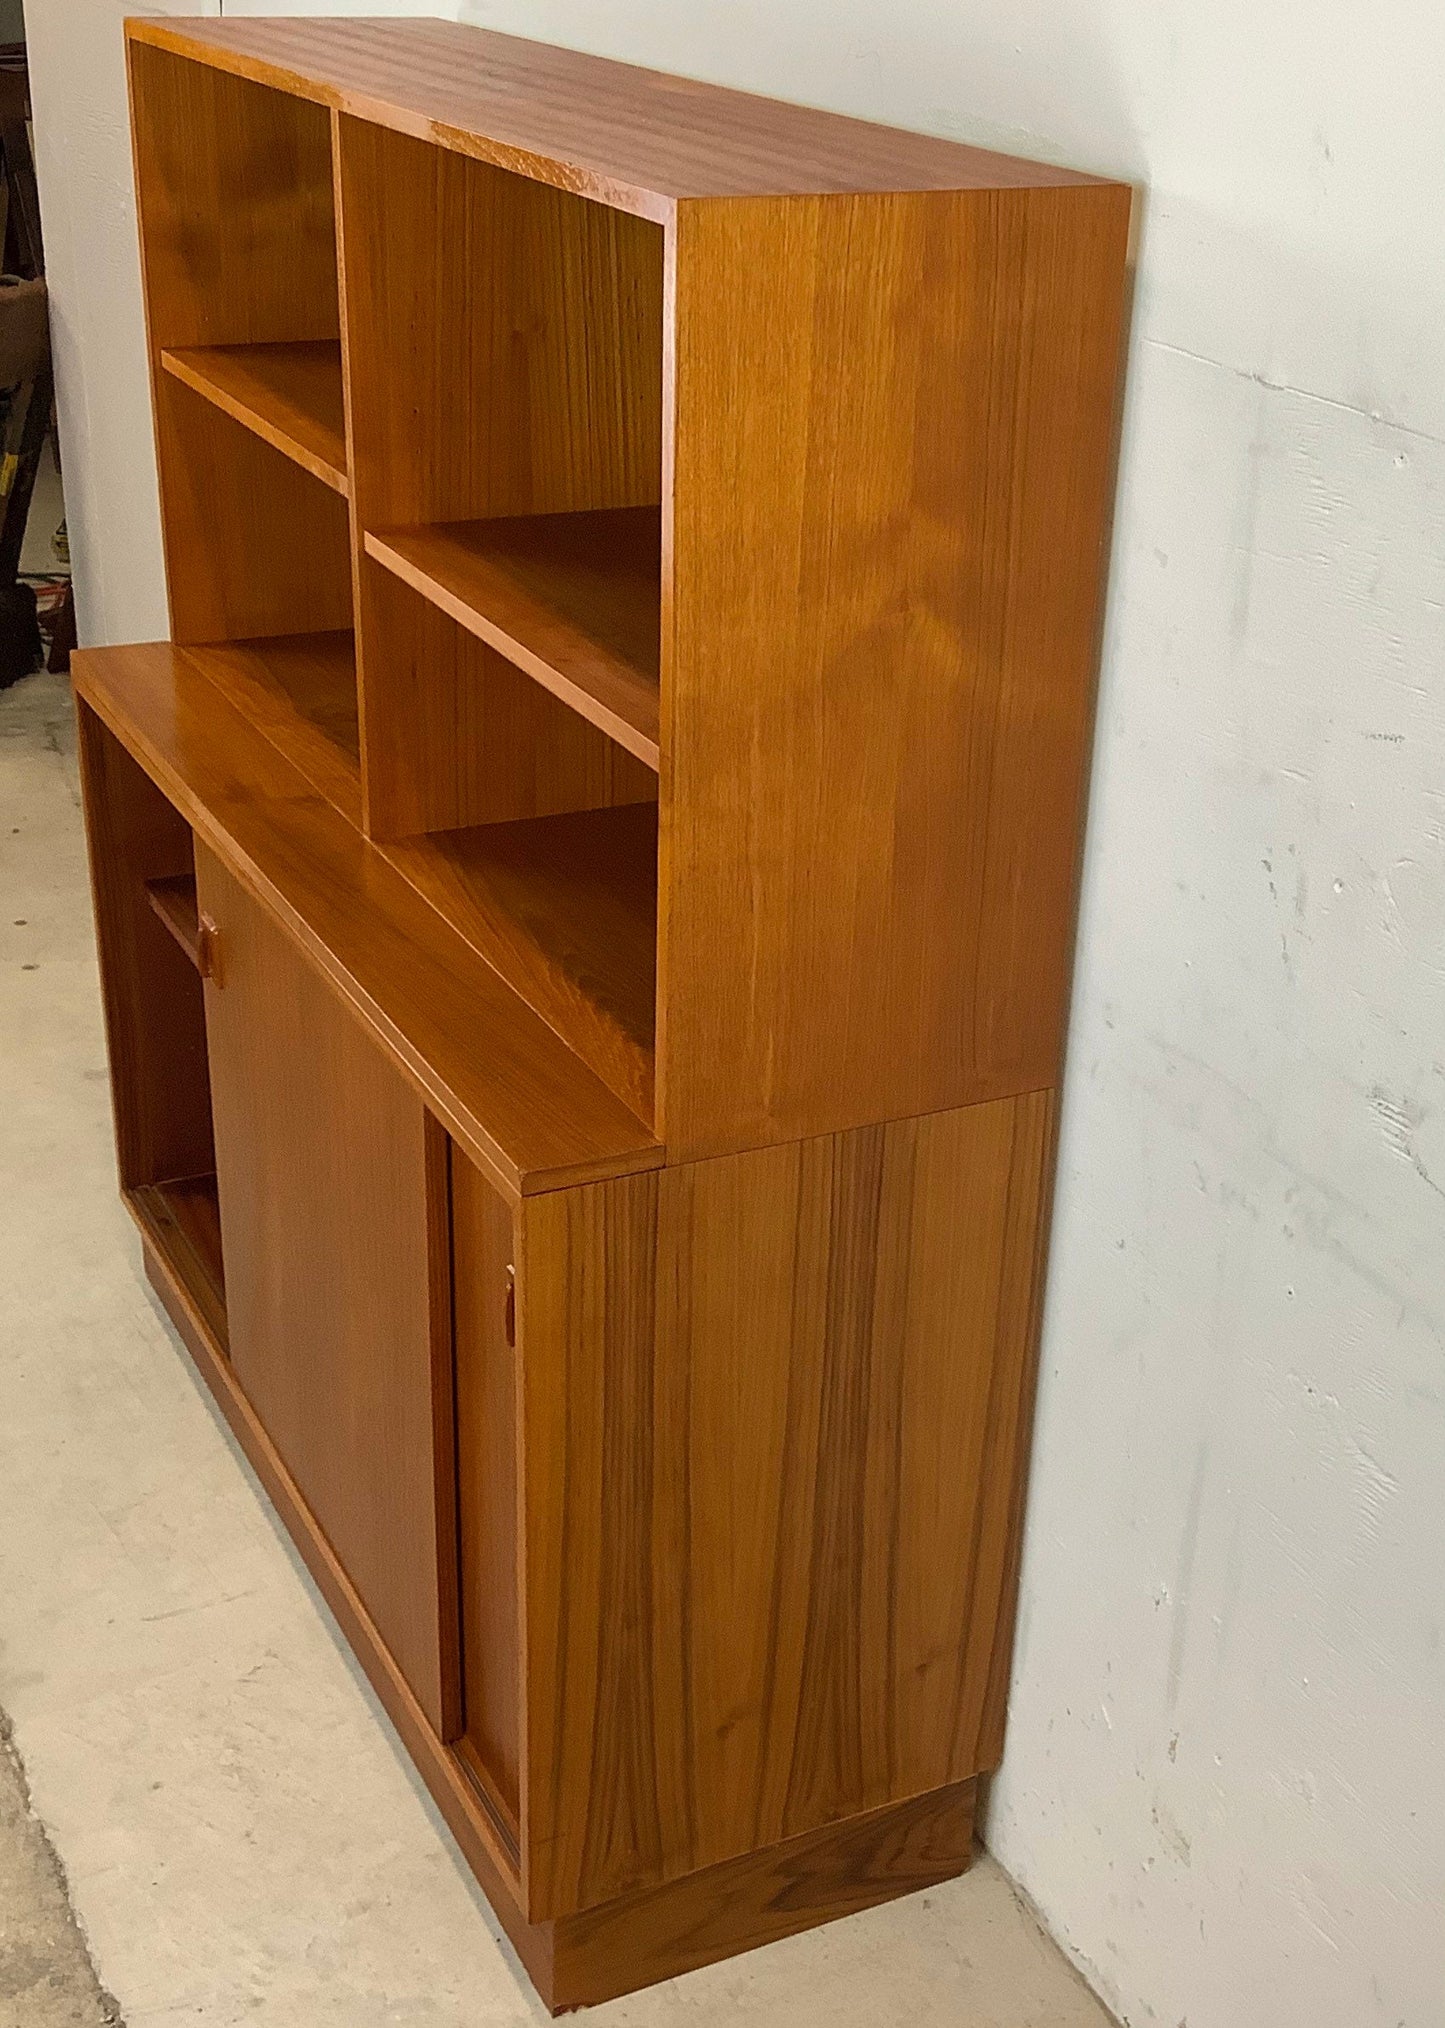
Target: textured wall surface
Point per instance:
(1224, 1783)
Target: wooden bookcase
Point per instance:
(585, 901)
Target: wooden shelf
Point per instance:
(182, 1220)
(174, 900)
(515, 1098)
(574, 599)
(300, 691)
(290, 395)
(565, 908)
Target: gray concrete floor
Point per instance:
(242, 1837)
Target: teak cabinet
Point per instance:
(585, 902)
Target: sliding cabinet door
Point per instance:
(335, 1226)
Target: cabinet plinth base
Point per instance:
(660, 1932)
(760, 1897)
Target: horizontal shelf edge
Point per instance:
(173, 900)
(176, 362)
(638, 734)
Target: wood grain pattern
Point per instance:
(483, 1259)
(154, 1018)
(235, 204)
(254, 545)
(238, 247)
(600, 1952)
(503, 357)
(290, 395)
(182, 1221)
(628, 137)
(573, 599)
(322, 1162)
(437, 1763)
(519, 1102)
(588, 1303)
(880, 926)
(565, 908)
(299, 690)
(172, 897)
(636, 550)
(755, 1899)
(458, 735)
(772, 1423)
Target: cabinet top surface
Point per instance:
(637, 139)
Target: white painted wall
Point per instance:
(1225, 1783)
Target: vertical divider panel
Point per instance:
(503, 357)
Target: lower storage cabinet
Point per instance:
(671, 1512)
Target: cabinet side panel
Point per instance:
(328, 1189)
(892, 422)
(771, 1487)
(154, 1018)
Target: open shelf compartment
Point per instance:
(573, 599)
(553, 877)
(143, 859)
(565, 908)
(237, 214)
(289, 394)
(181, 1219)
(504, 365)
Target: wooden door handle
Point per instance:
(208, 949)
(509, 1306)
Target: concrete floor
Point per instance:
(242, 1837)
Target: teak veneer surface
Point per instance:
(776, 1415)
(484, 1254)
(173, 898)
(290, 394)
(890, 481)
(151, 991)
(638, 139)
(299, 690)
(322, 1153)
(564, 907)
(527, 1110)
(504, 357)
(636, 550)
(574, 599)
(255, 544)
(183, 1219)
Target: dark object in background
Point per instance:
(24, 329)
(20, 644)
(24, 366)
